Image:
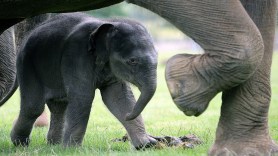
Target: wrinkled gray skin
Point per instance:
(237, 37)
(67, 58)
(7, 65)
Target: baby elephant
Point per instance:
(67, 58)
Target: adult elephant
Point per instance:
(237, 37)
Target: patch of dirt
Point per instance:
(187, 141)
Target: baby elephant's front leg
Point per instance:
(119, 99)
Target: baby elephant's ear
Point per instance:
(99, 34)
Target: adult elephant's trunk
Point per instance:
(8, 82)
(147, 92)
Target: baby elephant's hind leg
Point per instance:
(57, 110)
(76, 120)
(32, 106)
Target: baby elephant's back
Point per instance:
(46, 45)
(54, 32)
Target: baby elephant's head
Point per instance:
(132, 57)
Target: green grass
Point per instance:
(161, 118)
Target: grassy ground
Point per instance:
(161, 118)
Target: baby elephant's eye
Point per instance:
(132, 61)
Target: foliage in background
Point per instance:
(159, 28)
(117, 10)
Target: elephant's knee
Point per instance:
(242, 57)
(251, 52)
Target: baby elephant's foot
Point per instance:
(54, 141)
(144, 143)
(20, 140)
(191, 89)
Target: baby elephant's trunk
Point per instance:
(147, 92)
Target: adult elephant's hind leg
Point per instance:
(232, 43)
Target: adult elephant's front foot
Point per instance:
(190, 86)
(260, 147)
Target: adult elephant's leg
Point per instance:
(244, 113)
(7, 65)
(232, 43)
